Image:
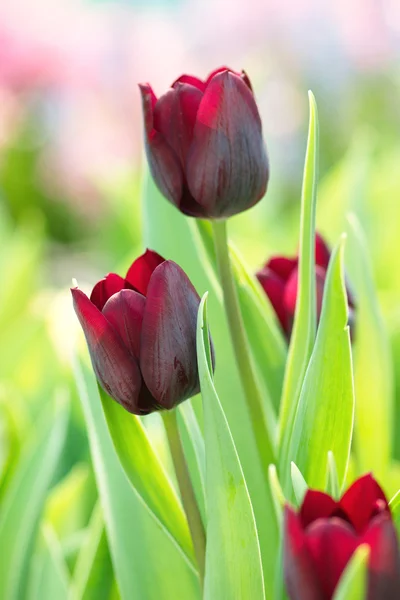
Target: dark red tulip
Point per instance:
(141, 334)
(204, 144)
(279, 279)
(320, 539)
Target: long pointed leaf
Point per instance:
(304, 326)
(148, 564)
(324, 418)
(233, 560)
(145, 471)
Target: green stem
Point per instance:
(186, 488)
(253, 396)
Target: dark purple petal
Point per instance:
(361, 501)
(322, 252)
(164, 163)
(384, 560)
(227, 168)
(191, 80)
(316, 505)
(274, 288)
(125, 312)
(300, 575)
(115, 368)
(331, 542)
(290, 295)
(282, 266)
(175, 115)
(142, 269)
(168, 359)
(105, 288)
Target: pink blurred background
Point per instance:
(71, 68)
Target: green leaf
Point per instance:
(49, 576)
(93, 574)
(148, 563)
(145, 472)
(277, 493)
(185, 247)
(23, 502)
(233, 560)
(324, 418)
(395, 510)
(304, 326)
(373, 368)
(300, 486)
(353, 582)
(333, 488)
(193, 444)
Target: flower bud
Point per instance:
(204, 144)
(141, 334)
(321, 538)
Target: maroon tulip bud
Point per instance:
(141, 334)
(320, 539)
(204, 144)
(279, 279)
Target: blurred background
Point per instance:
(71, 163)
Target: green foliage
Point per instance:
(324, 417)
(233, 561)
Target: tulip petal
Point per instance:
(191, 80)
(115, 367)
(227, 166)
(163, 162)
(105, 288)
(168, 358)
(331, 542)
(316, 505)
(274, 288)
(360, 501)
(300, 575)
(384, 560)
(175, 115)
(141, 270)
(290, 295)
(125, 312)
(322, 252)
(282, 266)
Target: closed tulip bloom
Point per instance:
(204, 144)
(141, 334)
(320, 539)
(279, 278)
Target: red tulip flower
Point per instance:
(320, 539)
(141, 334)
(279, 278)
(204, 144)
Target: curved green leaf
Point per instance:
(324, 418)
(300, 486)
(304, 326)
(49, 576)
(145, 471)
(148, 563)
(233, 559)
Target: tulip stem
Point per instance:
(186, 488)
(265, 445)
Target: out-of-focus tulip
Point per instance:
(141, 334)
(279, 278)
(204, 144)
(320, 539)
